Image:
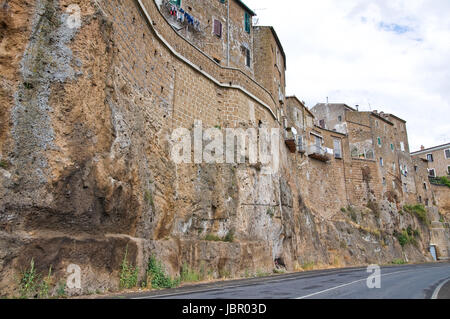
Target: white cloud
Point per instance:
(390, 55)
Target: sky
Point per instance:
(386, 55)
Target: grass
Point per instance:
(4, 164)
(128, 274)
(212, 237)
(229, 237)
(308, 265)
(417, 210)
(398, 261)
(190, 275)
(352, 214)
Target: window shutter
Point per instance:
(247, 22)
(217, 28)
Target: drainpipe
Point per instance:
(228, 32)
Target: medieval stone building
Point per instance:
(87, 116)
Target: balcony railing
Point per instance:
(319, 153)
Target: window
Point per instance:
(448, 170)
(420, 199)
(248, 61)
(301, 145)
(426, 202)
(379, 141)
(432, 172)
(384, 181)
(415, 168)
(430, 158)
(425, 186)
(337, 148)
(217, 28)
(322, 123)
(402, 146)
(340, 118)
(381, 162)
(376, 123)
(247, 22)
(447, 153)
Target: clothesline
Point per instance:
(182, 16)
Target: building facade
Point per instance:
(438, 159)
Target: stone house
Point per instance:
(438, 159)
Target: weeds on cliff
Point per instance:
(398, 261)
(28, 284)
(308, 265)
(156, 276)
(4, 164)
(32, 286)
(190, 275)
(407, 236)
(417, 210)
(229, 238)
(44, 287)
(128, 274)
(212, 237)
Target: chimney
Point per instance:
(422, 147)
(357, 107)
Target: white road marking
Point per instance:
(436, 291)
(348, 284)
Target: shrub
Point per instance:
(156, 276)
(407, 236)
(418, 210)
(128, 273)
(28, 284)
(398, 262)
(229, 238)
(32, 286)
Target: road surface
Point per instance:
(422, 281)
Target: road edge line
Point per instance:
(438, 289)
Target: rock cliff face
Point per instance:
(86, 170)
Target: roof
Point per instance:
(397, 118)
(431, 149)
(377, 115)
(242, 4)
(331, 131)
(304, 106)
(335, 105)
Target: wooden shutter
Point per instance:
(217, 28)
(247, 22)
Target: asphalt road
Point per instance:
(397, 282)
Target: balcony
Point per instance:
(290, 143)
(319, 153)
